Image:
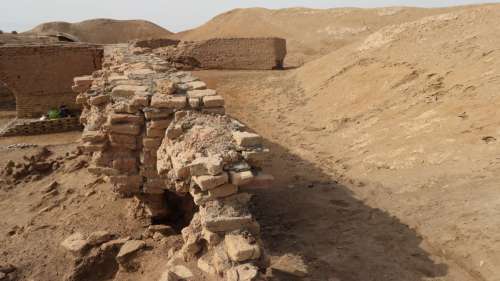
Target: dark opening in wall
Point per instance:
(7, 98)
(279, 65)
(180, 211)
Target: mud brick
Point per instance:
(213, 101)
(210, 182)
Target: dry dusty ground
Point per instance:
(385, 153)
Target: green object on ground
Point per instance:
(53, 114)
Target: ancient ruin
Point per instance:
(40, 76)
(219, 53)
(160, 135)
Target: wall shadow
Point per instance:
(308, 213)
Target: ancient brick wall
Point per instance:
(41, 76)
(160, 135)
(39, 127)
(230, 53)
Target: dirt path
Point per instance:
(345, 226)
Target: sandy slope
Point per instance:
(407, 122)
(105, 31)
(311, 33)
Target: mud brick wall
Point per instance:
(43, 127)
(160, 135)
(41, 76)
(155, 43)
(231, 53)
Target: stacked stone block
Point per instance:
(153, 131)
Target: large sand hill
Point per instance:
(105, 31)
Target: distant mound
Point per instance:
(310, 33)
(105, 31)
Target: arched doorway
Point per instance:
(7, 98)
(7, 105)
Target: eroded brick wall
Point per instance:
(230, 53)
(41, 76)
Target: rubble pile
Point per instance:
(36, 165)
(160, 135)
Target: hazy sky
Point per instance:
(175, 15)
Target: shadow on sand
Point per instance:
(307, 213)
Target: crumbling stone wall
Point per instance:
(228, 53)
(156, 132)
(41, 76)
(154, 43)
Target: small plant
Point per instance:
(14, 32)
(1, 31)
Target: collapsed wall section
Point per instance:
(41, 76)
(228, 53)
(160, 135)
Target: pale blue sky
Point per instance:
(175, 15)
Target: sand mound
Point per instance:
(105, 31)
(311, 33)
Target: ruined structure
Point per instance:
(220, 53)
(40, 76)
(160, 135)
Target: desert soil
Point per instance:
(385, 152)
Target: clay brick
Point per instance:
(125, 165)
(93, 136)
(173, 102)
(159, 124)
(127, 184)
(151, 143)
(206, 166)
(140, 100)
(148, 158)
(195, 102)
(154, 113)
(127, 91)
(201, 93)
(99, 100)
(165, 87)
(256, 157)
(210, 182)
(127, 141)
(126, 129)
(247, 139)
(120, 118)
(223, 191)
(83, 80)
(155, 133)
(241, 178)
(240, 249)
(213, 101)
(174, 132)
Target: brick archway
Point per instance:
(7, 97)
(40, 76)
